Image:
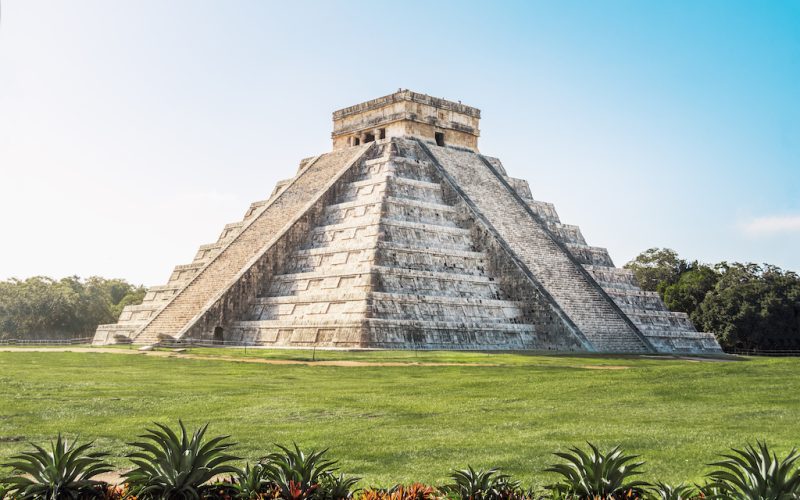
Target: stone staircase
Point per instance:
(390, 264)
(666, 331)
(594, 313)
(134, 321)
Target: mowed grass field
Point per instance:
(411, 422)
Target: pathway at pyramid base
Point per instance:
(403, 244)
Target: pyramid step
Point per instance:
(431, 259)
(116, 333)
(387, 334)
(521, 186)
(352, 305)
(637, 300)
(613, 277)
(400, 187)
(160, 293)
(425, 191)
(342, 278)
(421, 235)
(588, 255)
(567, 233)
(230, 231)
(341, 235)
(378, 198)
(462, 335)
(415, 234)
(140, 312)
(684, 341)
(353, 211)
(398, 280)
(330, 258)
(253, 208)
(370, 188)
(184, 272)
(207, 252)
(386, 279)
(400, 166)
(443, 308)
(298, 332)
(545, 210)
(658, 320)
(368, 207)
(418, 211)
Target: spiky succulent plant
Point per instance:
(595, 474)
(64, 471)
(296, 473)
(171, 466)
(663, 491)
(755, 473)
(471, 484)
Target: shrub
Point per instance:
(296, 474)
(414, 491)
(64, 471)
(597, 475)
(755, 473)
(176, 467)
(248, 484)
(336, 487)
(470, 484)
(662, 491)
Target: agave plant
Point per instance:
(663, 491)
(249, 483)
(64, 471)
(170, 467)
(756, 474)
(336, 487)
(296, 474)
(470, 484)
(594, 474)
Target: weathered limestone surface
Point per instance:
(229, 280)
(582, 299)
(666, 331)
(403, 243)
(392, 264)
(406, 113)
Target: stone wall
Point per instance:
(406, 113)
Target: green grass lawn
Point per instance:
(392, 424)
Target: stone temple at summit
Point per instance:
(404, 236)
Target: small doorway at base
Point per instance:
(439, 138)
(219, 335)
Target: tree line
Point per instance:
(44, 308)
(746, 306)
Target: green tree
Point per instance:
(41, 307)
(690, 290)
(753, 307)
(657, 268)
(133, 296)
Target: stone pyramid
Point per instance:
(405, 236)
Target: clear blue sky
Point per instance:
(131, 132)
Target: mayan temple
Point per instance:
(405, 236)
